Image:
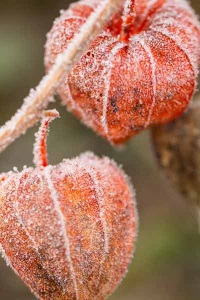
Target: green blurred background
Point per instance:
(167, 261)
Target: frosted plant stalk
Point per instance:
(40, 147)
(38, 99)
(128, 19)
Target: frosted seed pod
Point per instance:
(73, 237)
(140, 71)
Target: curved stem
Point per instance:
(128, 20)
(38, 99)
(40, 147)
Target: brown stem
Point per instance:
(38, 99)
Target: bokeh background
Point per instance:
(167, 261)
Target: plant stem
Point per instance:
(128, 19)
(40, 158)
(38, 99)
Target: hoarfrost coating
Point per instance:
(130, 80)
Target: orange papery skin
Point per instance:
(68, 230)
(124, 85)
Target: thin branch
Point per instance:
(40, 147)
(38, 99)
